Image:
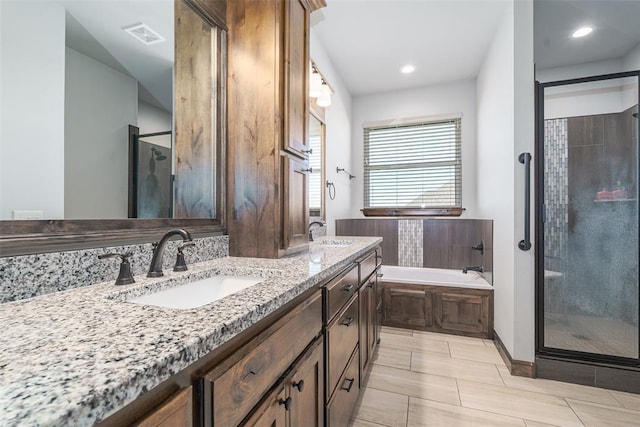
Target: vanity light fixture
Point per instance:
(315, 83)
(325, 98)
(144, 33)
(581, 32)
(407, 69)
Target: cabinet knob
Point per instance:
(347, 388)
(299, 385)
(347, 321)
(286, 402)
(310, 170)
(309, 151)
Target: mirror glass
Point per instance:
(316, 163)
(75, 76)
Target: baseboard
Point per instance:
(519, 368)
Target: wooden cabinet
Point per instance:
(452, 310)
(340, 407)
(174, 412)
(368, 300)
(268, 108)
(342, 338)
(297, 401)
(340, 290)
(295, 211)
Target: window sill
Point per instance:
(412, 211)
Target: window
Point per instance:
(413, 169)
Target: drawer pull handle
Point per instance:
(347, 322)
(348, 388)
(347, 288)
(380, 275)
(251, 372)
(286, 402)
(299, 385)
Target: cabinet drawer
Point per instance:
(341, 406)
(367, 266)
(176, 411)
(239, 388)
(339, 290)
(342, 337)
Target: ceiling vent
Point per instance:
(144, 33)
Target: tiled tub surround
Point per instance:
(32, 275)
(75, 357)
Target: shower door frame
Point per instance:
(541, 350)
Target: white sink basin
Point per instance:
(196, 294)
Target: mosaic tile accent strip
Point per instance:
(410, 238)
(556, 199)
(31, 275)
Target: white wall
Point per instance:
(505, 115)
(152, 119)
(100, 103)
(32, 119)
(631, 61)
(338, 118)
(453, 98)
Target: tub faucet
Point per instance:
(479, 269)
(155, 269)
(312, 224)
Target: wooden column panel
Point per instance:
(385, 228)
(195, 104)
(295, 213)
(407, 306)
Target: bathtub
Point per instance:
(437, 300)
(434, 277)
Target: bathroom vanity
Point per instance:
(293, 349)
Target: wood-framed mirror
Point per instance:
(317, 177)
(198, 76)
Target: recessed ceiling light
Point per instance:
(407, 69)
(581, 32)
(144, 33)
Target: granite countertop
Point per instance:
(77, 356)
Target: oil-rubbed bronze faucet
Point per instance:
(155, 269)
(312, 224)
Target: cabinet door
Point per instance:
(406, 307)
(273, 411)
(295, 215)
(176, 411)
(296, 77)
(371, 318)
(363, 315)
(307, 389)
(462, 312)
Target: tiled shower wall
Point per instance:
(556, 197)
(31, 275)
(431, 243)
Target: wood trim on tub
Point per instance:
(518, 368)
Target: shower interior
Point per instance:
(590, 296)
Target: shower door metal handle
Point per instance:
(525, 159)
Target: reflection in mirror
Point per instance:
(73, 80)
(316, 163)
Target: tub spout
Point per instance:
(479, 269)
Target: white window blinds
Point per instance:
(315, 163)
(415, 166)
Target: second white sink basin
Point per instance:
(196, 294)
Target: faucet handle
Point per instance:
(181, 264)
(124, 275)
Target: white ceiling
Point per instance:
(369, 40)
(96, 31)
(616, 23)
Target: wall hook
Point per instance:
(338, 170)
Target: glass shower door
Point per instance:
(590, 295)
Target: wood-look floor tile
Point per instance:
(557, 388)
(475, 352)
(392, 357)
(596, 415)
(449, 337)
(382, 407)
(456, 368)
(517, 403)
(424, 413)
(414, 384)
(417, 344)
(489, 343)
(363, 423)
(397, 331)
(530, 423)
(628, 400)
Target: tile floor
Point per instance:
(429, 379)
